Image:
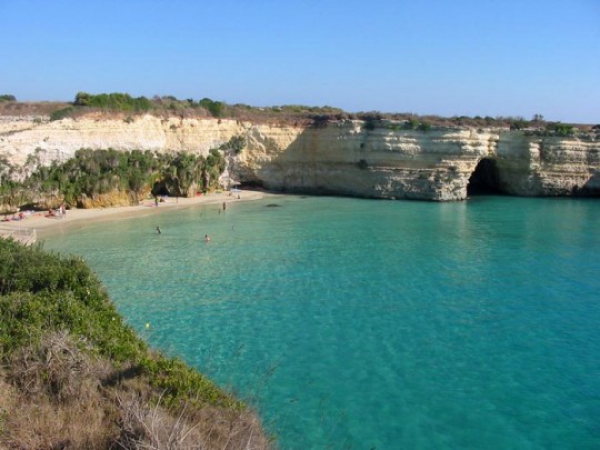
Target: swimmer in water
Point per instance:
(206, 238)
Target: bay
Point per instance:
(352, 323)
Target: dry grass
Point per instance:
(43, 424)
(55, 396)
(231, 430)
(30, 108)
(56, 368)
(152, 428)
(8, 399)
(60, 404)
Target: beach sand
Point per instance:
(47, 226)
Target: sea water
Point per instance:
(364, 324)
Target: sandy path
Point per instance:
(46, 226)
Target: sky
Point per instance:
(444, 57)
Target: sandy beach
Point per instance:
(46, 226)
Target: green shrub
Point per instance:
(176, 380)
(519, 124)
(42, 293)
(215, 108)
(115, 101)
(93, 172)
(561, 129)
(236, 144)
(62, 113)
(411, 124)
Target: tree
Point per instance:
(518, 123)
(215, 108)
(82, 99)
(538, 118)
(235, 145)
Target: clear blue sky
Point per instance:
(461, 57)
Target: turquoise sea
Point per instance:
(365, 324)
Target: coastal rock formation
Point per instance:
(356, 158)
(60, 139)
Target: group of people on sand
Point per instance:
(58, 213)
(20, 216)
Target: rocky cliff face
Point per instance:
(347, 157)
(352, 159)
(60, 139)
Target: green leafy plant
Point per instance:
(561, 129)
(116, 101)
(216, 108)
(236, 144)
(91, 173)
(62, 113)
(67, 353)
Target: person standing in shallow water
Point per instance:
(206, 238)
(158, 230)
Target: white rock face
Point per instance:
(340, 158)
(60, 139)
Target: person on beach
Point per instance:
(158, 230)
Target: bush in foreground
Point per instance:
(73, 375)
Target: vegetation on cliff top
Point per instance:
(124, 104)
(74, 375)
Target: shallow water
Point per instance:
(376, 324)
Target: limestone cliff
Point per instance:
(60, 139)
(345, 157)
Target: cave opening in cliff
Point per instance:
(485, 179)
(252, 185)
(160, 189)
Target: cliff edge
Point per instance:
(343, 157)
